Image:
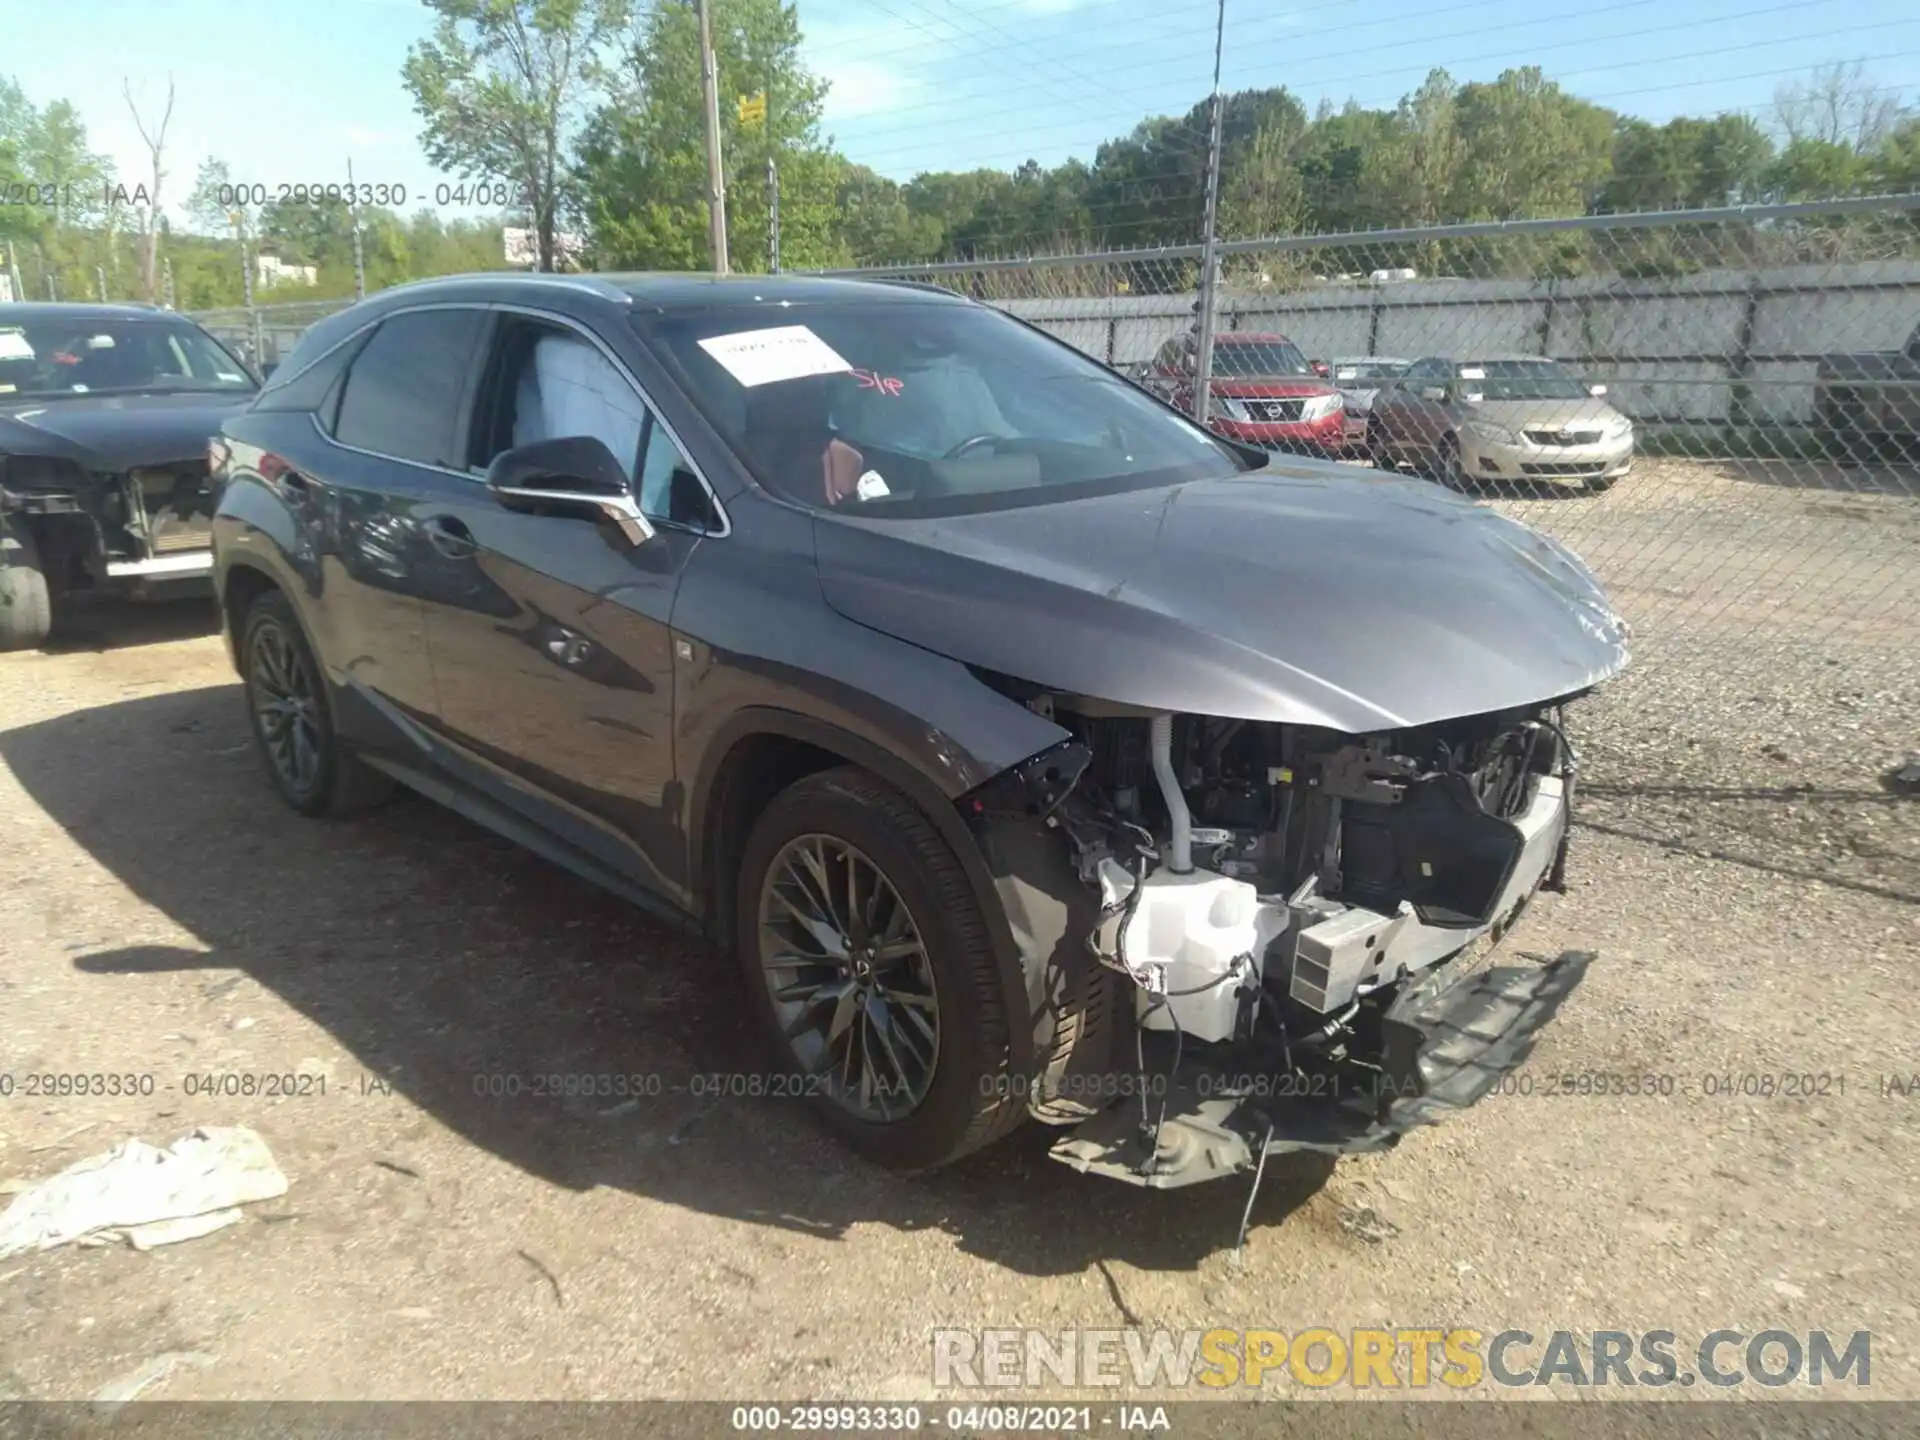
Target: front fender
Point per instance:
(1018, 967)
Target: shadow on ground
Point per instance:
(1895, 475)
(112, 624)
(441, 957)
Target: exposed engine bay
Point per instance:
(98, 527)
(1279, 905)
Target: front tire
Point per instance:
(868, 962)
(292, 718)
(1447, 467)
(26, 600)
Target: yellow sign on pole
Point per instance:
(752, 109)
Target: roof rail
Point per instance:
(905, 284)
(591, 284)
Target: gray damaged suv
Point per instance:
(1031, 751)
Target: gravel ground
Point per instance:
(1752, 889)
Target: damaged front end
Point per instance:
(1254, 937)
(112, 529)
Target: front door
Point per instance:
(553, 656)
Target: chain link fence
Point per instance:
(1719, 410)
(264, 335)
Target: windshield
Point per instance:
(76, 356)
(1369, 369)
(1258, 357)
(915, 408)
(1520, 380)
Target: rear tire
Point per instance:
(292, 717)
(1447, 468)
(857, 827)
(26, 600)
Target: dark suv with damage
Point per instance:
(1030, 750)
(105, 415)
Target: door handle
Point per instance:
(450, 536)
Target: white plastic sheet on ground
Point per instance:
(148, 1195)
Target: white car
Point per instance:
(1522, 419)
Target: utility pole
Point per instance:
(239, 218)
(359, 257)
(773, 216)
(1210, 242)
(716, 176)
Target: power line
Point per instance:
(871, 157)
(1406, 70)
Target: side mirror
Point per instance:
(576, 476)
(1320, 368)
(266, 370)
(1596, 391)
(1433, 392)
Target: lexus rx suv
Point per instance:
(1029, 749)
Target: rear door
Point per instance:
(388, 446)
(552, 642)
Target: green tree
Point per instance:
(1814, 169)
(1338, 159)
(1896, 163)
(1413, 179)
(1686, 163)
(1264, 195)
(56, 153)
(501, 84)
(1528, 148)
(643, 169)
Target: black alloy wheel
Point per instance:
(292, 720)
(849, 977)
(865, 954)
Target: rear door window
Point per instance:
(405, 389)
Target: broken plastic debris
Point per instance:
(137, 1189)
(186, 1227)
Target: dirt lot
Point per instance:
(1753, 891)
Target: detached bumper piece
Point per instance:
(1444, 1047)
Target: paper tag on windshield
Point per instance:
(1470, 373)
(785, 352)
(14, 346)
(871, 486)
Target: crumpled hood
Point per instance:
(1304, 592)
(116, 432)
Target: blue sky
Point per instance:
(287, 90)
